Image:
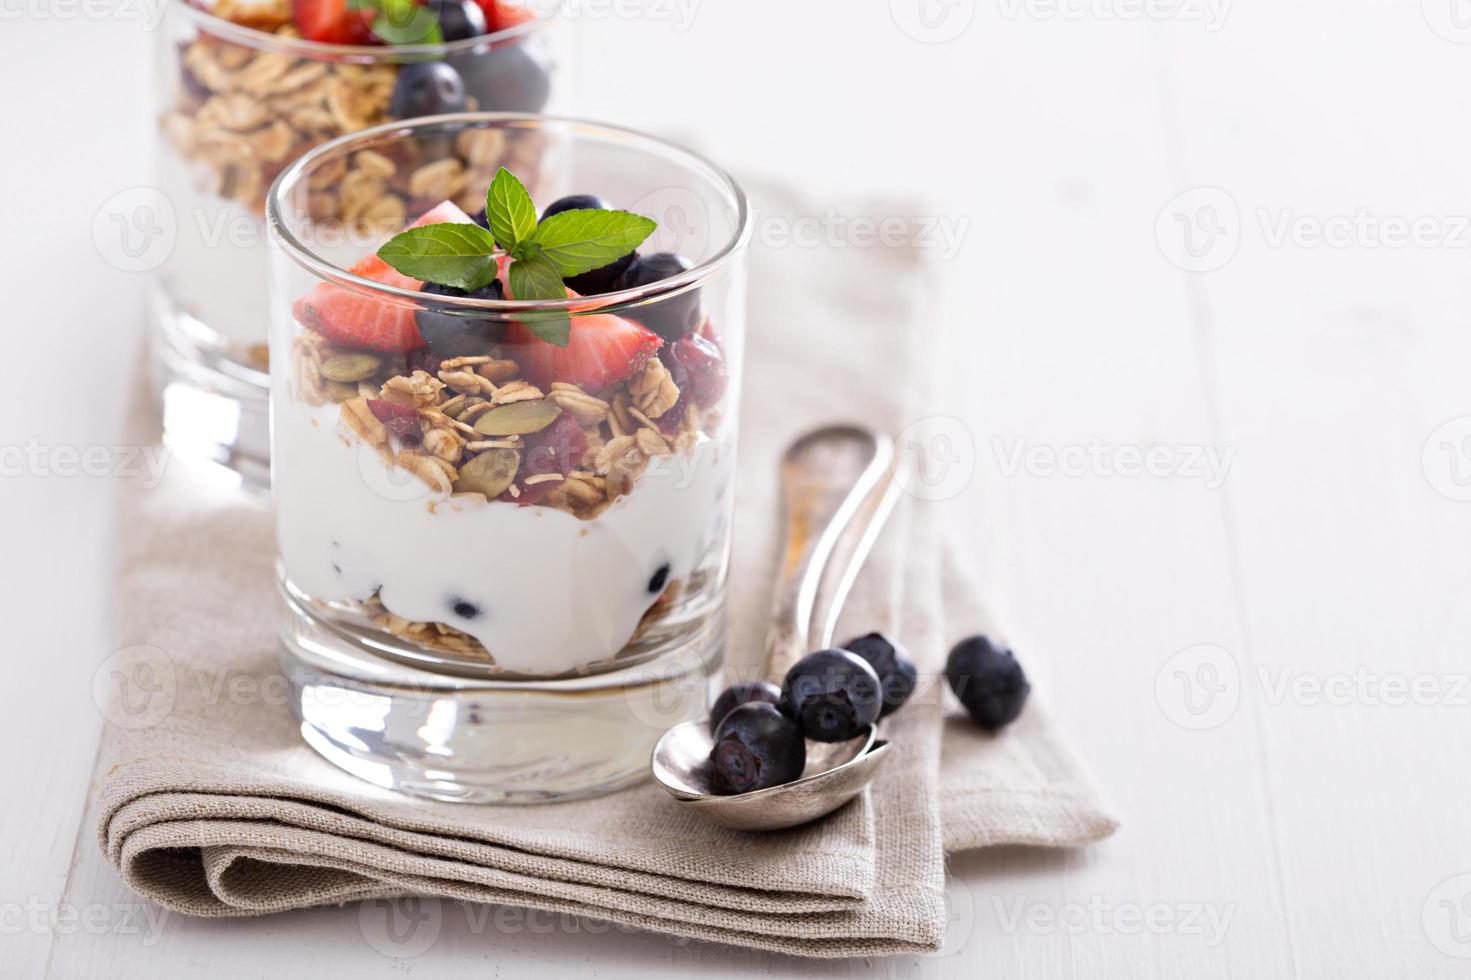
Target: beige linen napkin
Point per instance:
(212, 805)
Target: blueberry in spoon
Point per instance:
(833, 694)
(757, 747)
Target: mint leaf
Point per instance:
(584, 239)
(451, 254)
(525, 251)
(509, 208)
(401, 21)
(538, 279)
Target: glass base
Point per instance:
(478, 740)
(215, 408)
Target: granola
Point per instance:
(443, 407)
(242, 115)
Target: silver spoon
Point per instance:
(837, 482)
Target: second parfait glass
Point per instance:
(240, 95)
(502, 563)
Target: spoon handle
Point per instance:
(826, 477)
(851, 551)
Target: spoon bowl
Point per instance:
(838, 485)
(835, 773)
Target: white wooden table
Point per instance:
(1262, 651)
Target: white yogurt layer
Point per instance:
(550, 593)
(219, 259)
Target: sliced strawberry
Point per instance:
(501, 15)
(601, 351)
(330, 22)
(357, 320)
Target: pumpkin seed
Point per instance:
(349, 368)
(517, 418)
(341, 391)
(489, 473)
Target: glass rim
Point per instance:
(320, 50)
(683, 282)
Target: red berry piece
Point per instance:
(706, 366)
(331, 22)
(601, 351)
(355, 319)
(556, 449)
(670, 421)
(401, 420)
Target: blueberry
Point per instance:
(896, 671)
(427, 89)
(196, 89)
(743, 693)
(466, 609)
(504, 79)
(575, 202)
(756, 746)
(659, 579)
(833, 694)
(459, 19)
(988, 681)
(669, 318)
(598, 280)
(449, 335)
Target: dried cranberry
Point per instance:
(706, 366)
(401, 420)
(193, 86)
(424, 359)
(674, 415)
(556, 449)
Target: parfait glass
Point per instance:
(502, 563)
(238, 97)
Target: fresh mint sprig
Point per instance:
(542, 253)
(401, 21)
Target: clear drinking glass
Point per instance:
(479, 614)
(239, 97)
